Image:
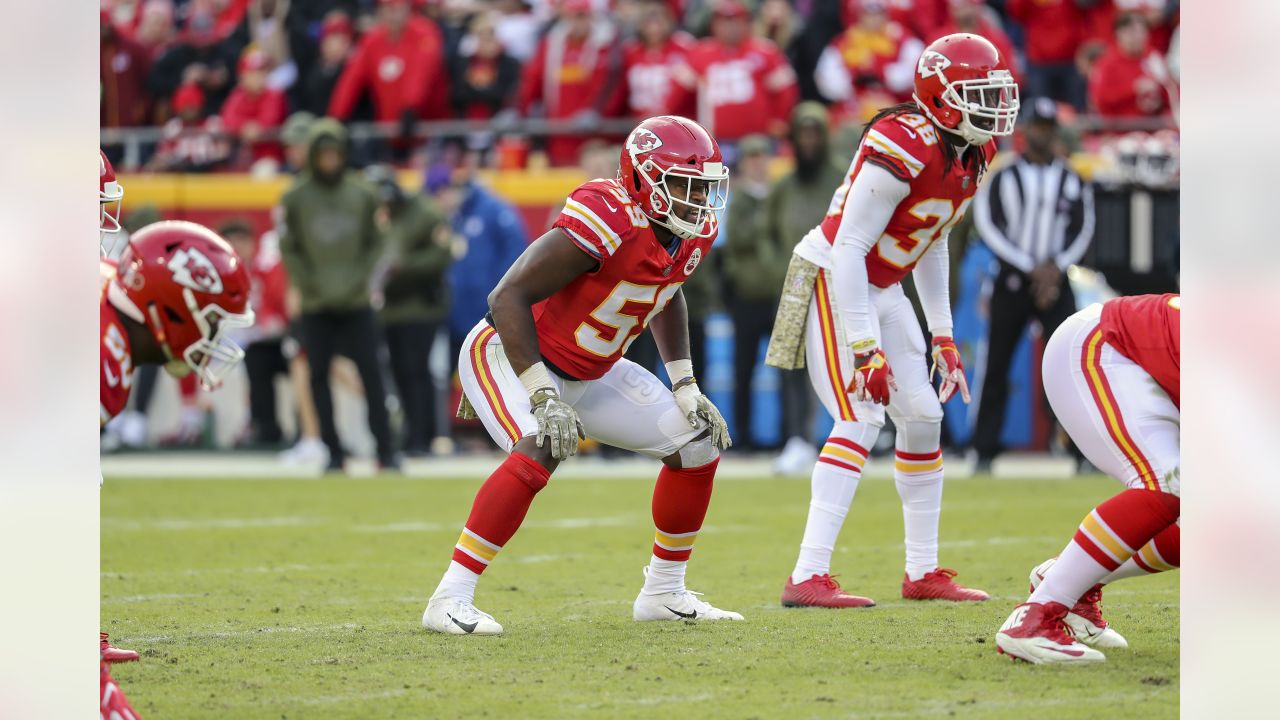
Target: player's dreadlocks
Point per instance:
(973, 155)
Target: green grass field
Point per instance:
(303, 599)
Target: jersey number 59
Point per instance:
(628, 306)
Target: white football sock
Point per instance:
(1127, 570)
(1071, 576)
(458, 582)
(664, 576)
(917, 473)
(833, 484)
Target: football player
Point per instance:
(110, 201)
(544, 368)
(911, 180)
(176, 292)
(1111, 373)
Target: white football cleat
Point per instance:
(679, 605)
(458, 616)
(1036, 633)
(1085, 617)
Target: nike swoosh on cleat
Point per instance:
(1072, 653)
(466, 627)
(687, 616)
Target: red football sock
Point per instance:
(1163, 553)
(498, 510)
(680, 500)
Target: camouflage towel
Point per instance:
(465, 410)
(786, 344)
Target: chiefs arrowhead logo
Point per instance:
(191, 269)
(932, 63)
(643, 140)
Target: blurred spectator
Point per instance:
(1037, 216)
(253, 110)
(742, 84)
(294, 135)
(415, 299)
(648, 62)
(156, 29)
(973, 16)
(921, 18)
(798, 202)
(264, 27)
(454, 19)
(1161, 17)
(303, 25)
(484, 78)
(1054, 32)
(569, 76)
(189, 142)
(124, 65)
(335, 49)
(1131, 79)
(871, 65)
(777, 22)
(755, 263)
(821, 24)
(401, 62)
(330, 244)
(198, 58)
(125, 14)
(489, 235)
(264, 358)
(517, 28)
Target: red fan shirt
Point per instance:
(585, 327)
(1146, 329)
(740, 90)
(647, 73)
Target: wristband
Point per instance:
(678, 370)
(864, 345)
(537, 378)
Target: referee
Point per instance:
(1036, 215)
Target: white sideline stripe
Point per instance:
(265, 466)
(125, 599)
(948, 707)
(211, 523)
(269, 630)
(402, 527)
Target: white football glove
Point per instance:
(694, 405)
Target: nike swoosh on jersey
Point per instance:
(687, 616)
(611, 208)
(466, 627)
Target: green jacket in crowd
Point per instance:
(418, 254)
(330, 242)
(755, 260)
(797, 206)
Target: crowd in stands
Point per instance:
(222, 76)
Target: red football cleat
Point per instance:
(114, 704)
(821, 591)
(1085, 617)
(113, 654)
(1038, 633)
(939, 585)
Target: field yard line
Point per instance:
(125, 599)
(942, 708)
(211, 523)
(270, 629)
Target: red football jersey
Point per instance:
(908, 146)
(1145, 329)
(743, 88)
(585, 327)
(117, 358)
(647, 73)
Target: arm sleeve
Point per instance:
(900, 76)
(990, 220)
(832, 77)
(872, 198)
(1080, 227)
(349, 87)
(933, 284)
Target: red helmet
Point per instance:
(110, 194)
(965, 87)
(666, 146)
(190, 289)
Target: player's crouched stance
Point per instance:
(1111, 373)
(545, 369)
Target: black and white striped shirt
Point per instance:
(1029, 214)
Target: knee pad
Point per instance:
(919, 436)
(699, 452)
